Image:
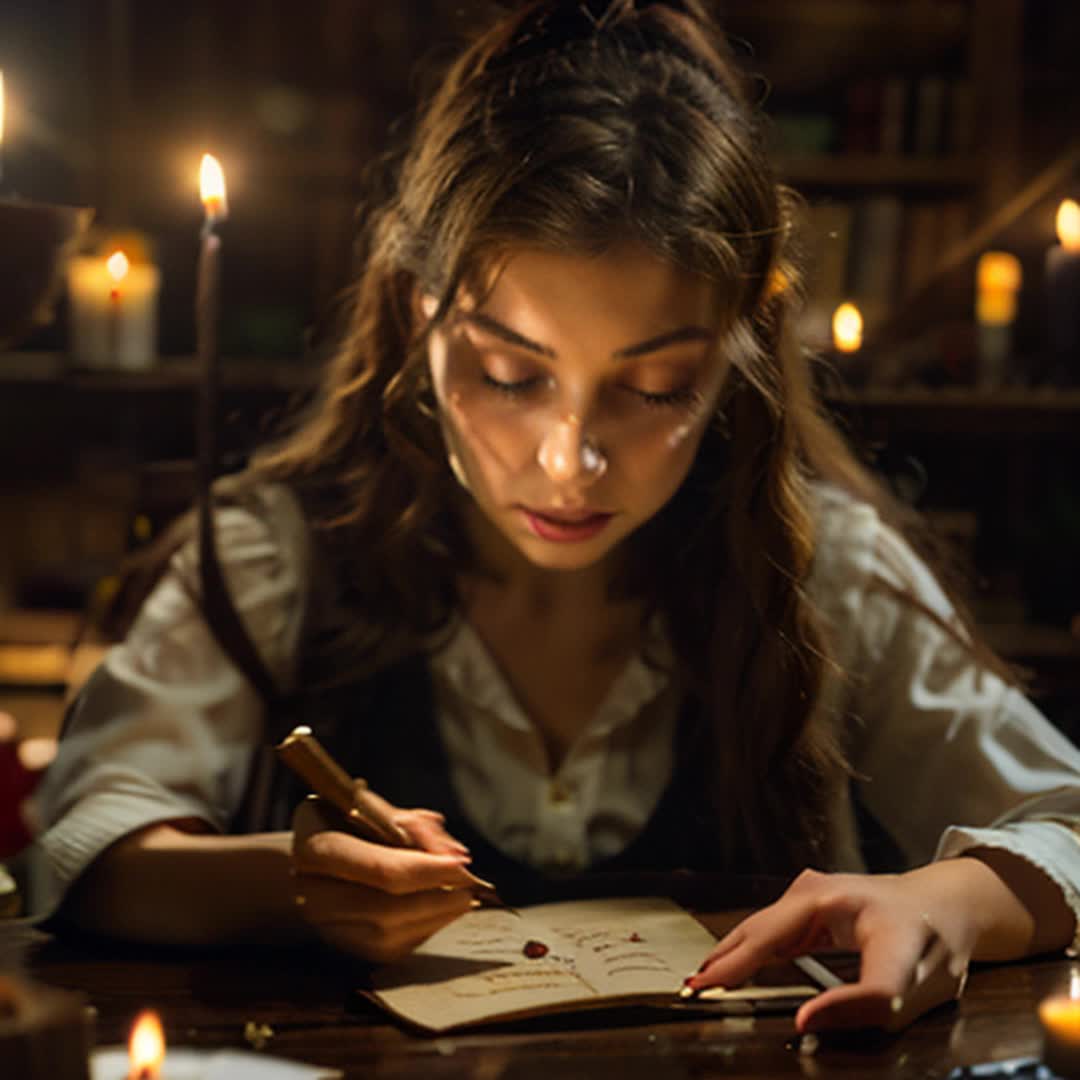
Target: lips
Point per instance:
(565, 526)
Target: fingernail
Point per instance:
(687, 992)
(482, 883)
(474, 904)
(896, 1004)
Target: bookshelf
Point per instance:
(897, 122)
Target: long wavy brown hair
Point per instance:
(574, 127)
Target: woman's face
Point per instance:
(574, 396)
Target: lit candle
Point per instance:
(1, 127)
(113, 311)
(847, 328)
(1059, 1016)
(145, 1058)
(207, 312)
(998, 279)
(1063, 290)
(146, 1047)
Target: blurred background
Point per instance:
(935, 143)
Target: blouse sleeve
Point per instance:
(165, 727)
(947, 755)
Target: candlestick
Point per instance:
(2, 105)
(1063, 292)
(207, 314)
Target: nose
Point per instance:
(569, 457)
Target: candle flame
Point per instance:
(847, 328)
(998, 270)
(1068, 224)
(212, 187)
(997, 277)
(118, 265)
(146, 1048)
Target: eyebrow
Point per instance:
(641, 348)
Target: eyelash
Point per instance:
(666, 399)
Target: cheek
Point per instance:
(473, 422)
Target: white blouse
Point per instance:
(945, 756)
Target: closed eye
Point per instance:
(682, 396)
(515, 388)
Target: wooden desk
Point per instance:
(205, 1000)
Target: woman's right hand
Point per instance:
(373, 901)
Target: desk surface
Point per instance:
(206, 999)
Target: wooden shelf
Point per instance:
(879, 170)
(29, 369)
(958, 411)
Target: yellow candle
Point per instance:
(998, 279)
(113, 311)
(1060, 1019)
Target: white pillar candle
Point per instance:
(113, 312)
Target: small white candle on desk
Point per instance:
(145, 1058)
(1059, 1016)
(113, 312)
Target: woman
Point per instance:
(567, 555)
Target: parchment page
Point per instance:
(638, 946)
(477, 968)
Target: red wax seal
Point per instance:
(535, 949)
(635, 936)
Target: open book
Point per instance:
(498, 964)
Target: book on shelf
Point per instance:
(875, 255)
(828, 238)
(498, 964)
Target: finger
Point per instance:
(889, 957)
(393, 870)
(428, 832)
(847, 1007)
(940, 976)
(759, 939)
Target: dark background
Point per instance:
(112, 102)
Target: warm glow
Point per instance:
(847, 328)
(1068, 225)
(146, 1048)
(117, 264)
(998, 270)
(1061, 1015)
(212, 187)
(998, 280)
(1, 107)
(36, 755)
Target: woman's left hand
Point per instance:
(914, 948)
